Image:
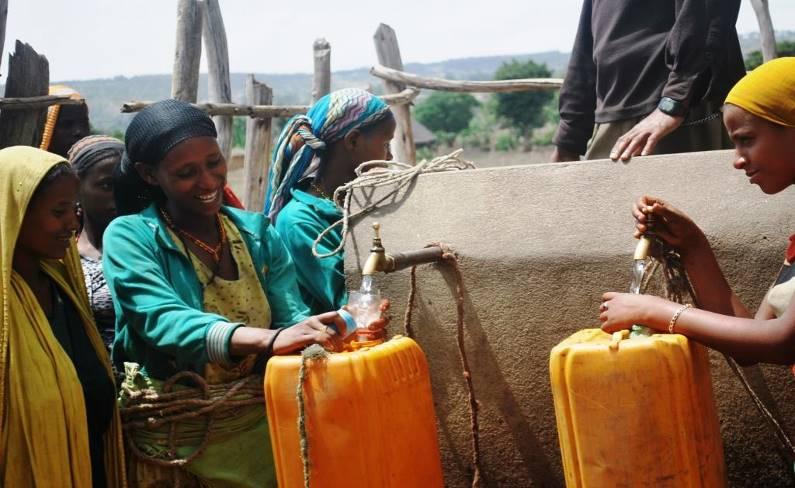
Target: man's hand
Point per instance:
(561, 155)
(641, 139)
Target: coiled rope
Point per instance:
(376, 174)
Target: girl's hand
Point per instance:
(669, 224)
(377, 328)
(622, 310)
(314, 330)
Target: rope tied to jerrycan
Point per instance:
(679, 289)
(451, 260)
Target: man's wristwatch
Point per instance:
(671, 107)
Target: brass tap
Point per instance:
(645, 242)
(381, 261)
(378, 260)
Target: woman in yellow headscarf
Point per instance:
(59, 425)
(760, 118)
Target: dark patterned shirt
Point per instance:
(100, 299)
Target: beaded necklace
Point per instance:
(213, 251)
(320, 191)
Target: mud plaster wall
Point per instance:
(538, 245)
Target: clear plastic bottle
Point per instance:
(365, 306)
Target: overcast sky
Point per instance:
(86, 39)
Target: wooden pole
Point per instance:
(233, 109)
(185, 78)
(766, 32)
(321, 83)
(28, 76)
(386, 47)
(35, 103)
(498, 86)
(218, 84)
(238, 110)
(3, 18)
(256, 161)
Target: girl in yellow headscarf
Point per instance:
(760, 118)
(59, 425)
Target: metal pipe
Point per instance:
(407, 259)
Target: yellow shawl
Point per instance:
(43, 432)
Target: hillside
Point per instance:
(105, 96)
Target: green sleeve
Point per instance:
(284, 298)
(152, 308)
(323, 278)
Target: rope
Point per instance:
(678, 288)
(315, 352)
(375, 174)
(148, 409)
(449, 257)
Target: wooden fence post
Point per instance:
(3, 18)
(218, 85)
(185, 78)
(256, 161)
(386, 46)
(321, 83)
(766, 33)
(28, 76)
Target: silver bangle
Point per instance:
(672, 323)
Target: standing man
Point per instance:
(651, 75)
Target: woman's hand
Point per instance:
(314, 330)
(622, 310)
(376, 329)
(669, 224)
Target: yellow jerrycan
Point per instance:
(369, 418)
(636, 412)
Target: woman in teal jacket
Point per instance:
(198, 287)
(315, 154)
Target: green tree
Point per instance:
(525, 110)
(446, 111)
(783, 48)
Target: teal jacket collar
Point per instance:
(248, 223)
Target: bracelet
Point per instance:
(672, 323)
(269, 348)
(262, 358)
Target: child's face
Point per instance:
(764, 150)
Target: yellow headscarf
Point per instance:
(43, 431)
(768, 92)
(53, 111)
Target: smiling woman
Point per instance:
(202, 287)
(58, 421)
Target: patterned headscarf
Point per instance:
(88, 151)
(768, 92)
(298, 152)
(53, 111)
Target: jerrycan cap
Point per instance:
(616, 338)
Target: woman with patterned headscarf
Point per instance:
(201, 290)
(96, 159)
(59, 424)
(316, 154)
(759, 115)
